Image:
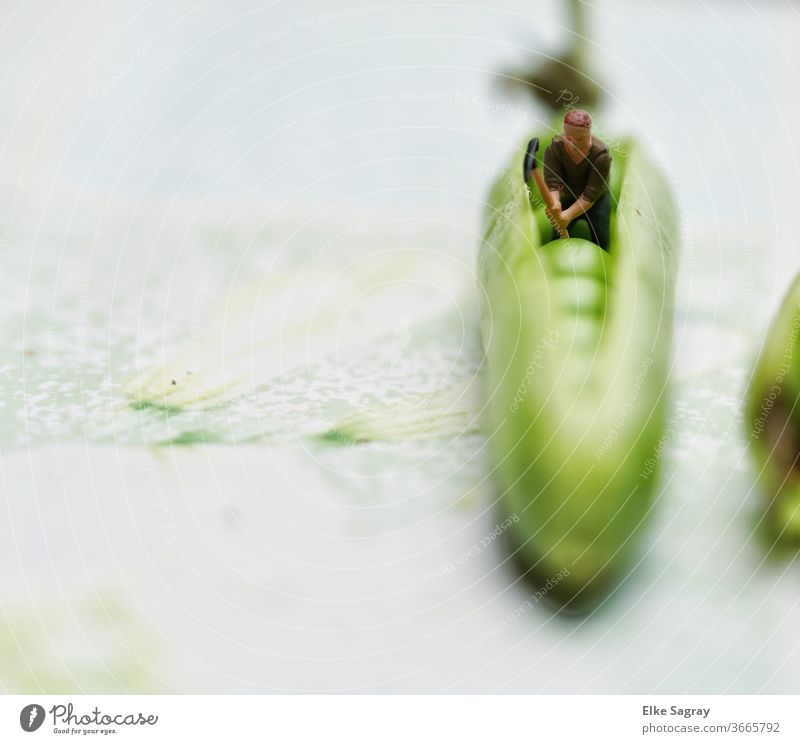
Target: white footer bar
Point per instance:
(387, 719)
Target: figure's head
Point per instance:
(578, 130)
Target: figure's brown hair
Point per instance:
(578, 118)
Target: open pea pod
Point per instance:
(577, 349)
(773, 421)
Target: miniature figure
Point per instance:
(576, 169)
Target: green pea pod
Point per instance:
(773, 420)
(577, 348)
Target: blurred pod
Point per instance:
(773, 417)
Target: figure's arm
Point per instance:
(555, 195)
(596, 186)
(581, 205)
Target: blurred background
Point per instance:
(226, 230)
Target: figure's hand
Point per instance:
(558, 221)
(555, 215)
